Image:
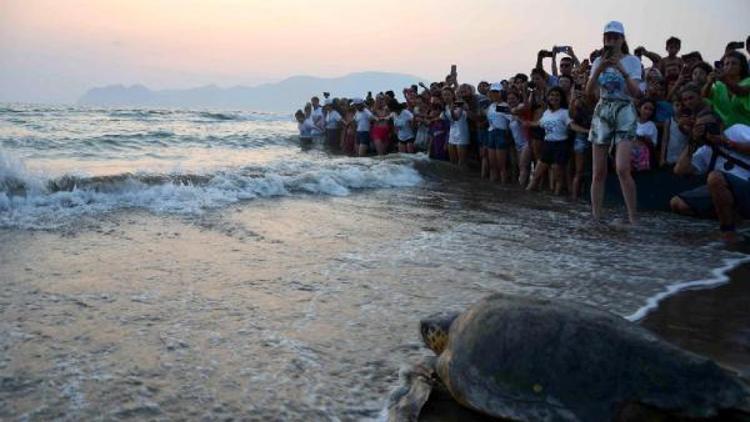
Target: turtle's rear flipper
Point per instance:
(407, 401)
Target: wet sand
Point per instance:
(711, 322)
(287, 309)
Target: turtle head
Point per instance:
(435, 330)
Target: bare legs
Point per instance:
(599, 175)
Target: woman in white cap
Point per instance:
(498, 140)
(333, 122)
(617, 74)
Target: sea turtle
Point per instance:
(534, 359)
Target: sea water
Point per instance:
(169, 263)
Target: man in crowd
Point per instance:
(726, 160)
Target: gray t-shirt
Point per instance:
(612, 85)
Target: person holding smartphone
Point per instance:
(456, 113)
(616, 75)
(496, 147)
(728, 89)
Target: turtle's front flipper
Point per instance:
(407, 401)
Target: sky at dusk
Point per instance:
(54, 50)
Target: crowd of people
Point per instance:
(634, 112)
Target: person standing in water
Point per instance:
(617, 75)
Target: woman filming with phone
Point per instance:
(617, 75)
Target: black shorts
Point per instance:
(555, 152)
(537, 133)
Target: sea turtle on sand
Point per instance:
(532, 359)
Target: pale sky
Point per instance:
(54, 50)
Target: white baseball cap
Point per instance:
(614, 26)
(496, 87)
(328, 101)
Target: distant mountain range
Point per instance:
(287, 95)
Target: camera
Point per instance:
(639, 51)
(532, 86)
(326, 94)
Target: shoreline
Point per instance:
(711, 321)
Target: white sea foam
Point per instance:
(718, 277)
(31, 201)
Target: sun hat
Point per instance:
(615, 27)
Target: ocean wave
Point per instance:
(33, 202)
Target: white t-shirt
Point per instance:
(612, 84)
(459, 131)
(333, 119)
(555, 124)
(647, 130)
(363, 120)
(402, 122)
(498, 120)
(677, 141)
(319, 121)
(305, 128)
(702, 157)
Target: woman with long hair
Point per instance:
(555, 151)
(617, 75)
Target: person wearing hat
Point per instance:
(617, 76)
(332, 124)
(363, 117)
(496, 148)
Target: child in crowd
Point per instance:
(646, 136)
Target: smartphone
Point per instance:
(453, 70)
(736, 45)
(608, 51)
(713, 128)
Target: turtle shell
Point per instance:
(525, 358)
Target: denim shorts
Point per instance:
(581, 143)
(498, 139)
(483, 138)
(363, 138)
(614, 121)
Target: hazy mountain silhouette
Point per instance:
(287, 95)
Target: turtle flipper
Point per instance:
(405, 404)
